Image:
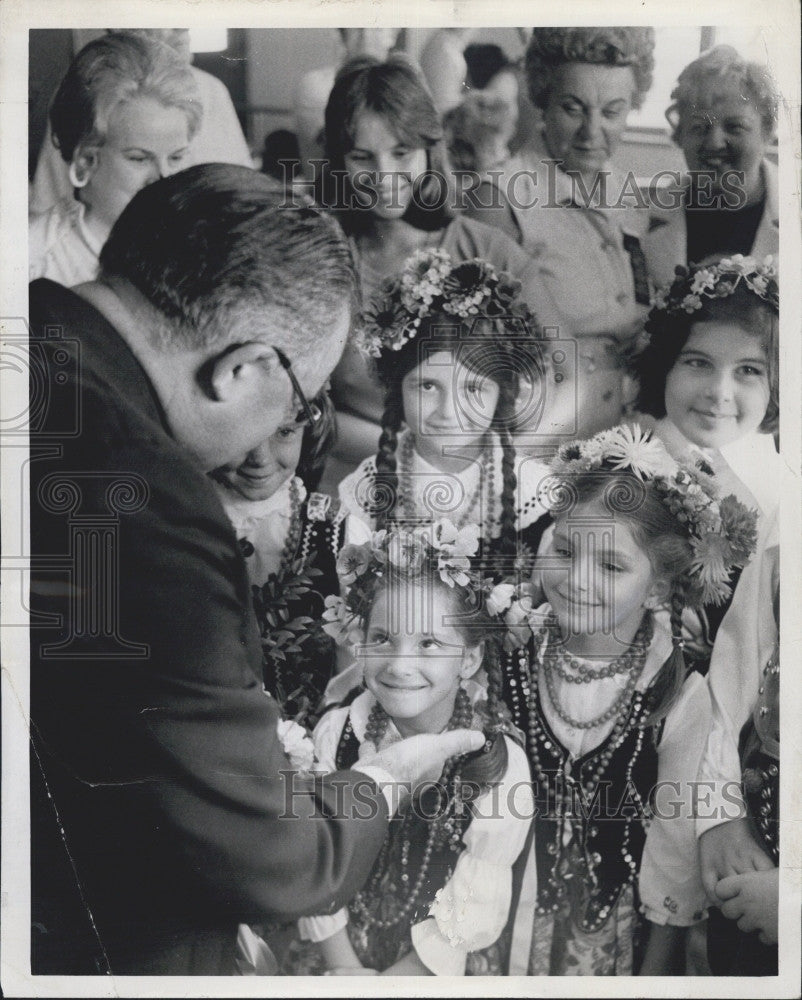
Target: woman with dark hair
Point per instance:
(389, 183)
(583, 83)
(723, 114)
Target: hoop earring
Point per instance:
(75, 180)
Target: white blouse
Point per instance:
(471, 909)
(60, 245)
(744, 643)
(266, 524)
(437, 494)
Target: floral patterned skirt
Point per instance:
(560, 947)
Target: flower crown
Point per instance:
(722, 532)
(434, 550)
(716, 281)
(432, 283)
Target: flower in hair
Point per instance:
(722, 533)
(439, 550)
(352, 562)
(691, 286)
(630, 448)
(433, 283)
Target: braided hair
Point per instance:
(666, 542)
(487, 353)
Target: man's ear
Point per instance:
(471, 660)
(241, 369)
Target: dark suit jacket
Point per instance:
(160, 818)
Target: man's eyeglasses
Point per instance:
(309, 412)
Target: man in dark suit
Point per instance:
(160, 817)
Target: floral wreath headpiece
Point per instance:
(722, 532)
(432, 283)
(433, 550)
(715, 281)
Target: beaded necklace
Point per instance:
(632, 661)
(406, 500)
(446, 823)
(294, 530)
(569, 786)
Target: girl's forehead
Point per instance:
(373, 130)
(726, 338)
(450, 363)
(411, 604)
(595, 525)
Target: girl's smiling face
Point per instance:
(382, 168)
(413, 661)
(718, 389)
(597, 577)
(447, 403)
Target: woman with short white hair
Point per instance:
(123, 116)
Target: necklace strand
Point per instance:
(375, 730)
(406, 498)
(632, 661)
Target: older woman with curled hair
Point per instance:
(123, 116)
(580, 218)
(723, 114)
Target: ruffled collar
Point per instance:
(245, 514)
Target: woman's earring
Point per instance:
(77, 181)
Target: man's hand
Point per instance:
(419, 759)
(753, 900)
(730, 849)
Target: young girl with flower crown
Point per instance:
(449, 341)
(709, 382)
(709, 374)
(440, 890)
(615, 725)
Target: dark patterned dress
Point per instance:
(472, 902)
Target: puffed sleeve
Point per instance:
(471, 909)
(670, 883)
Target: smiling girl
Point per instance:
(709, 374)
(124, 116)
(613, 719)
(449, 341)
(441, 886)
(709, 387)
